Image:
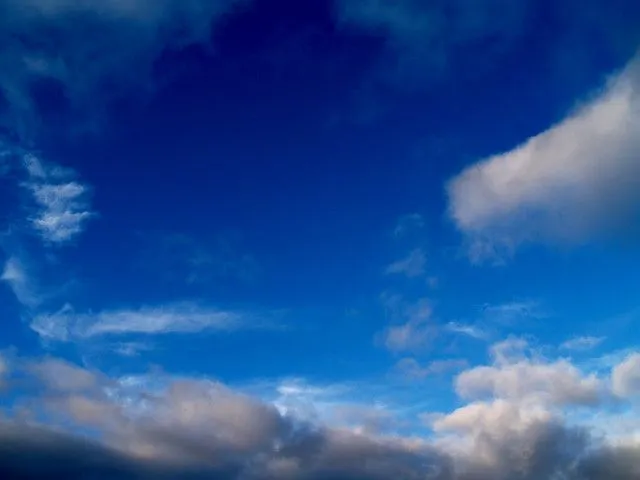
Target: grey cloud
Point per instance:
(201, 429)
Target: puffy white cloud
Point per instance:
(626, 377)
(556, 383)
(67, 325)
(518, 375)
(576, 181)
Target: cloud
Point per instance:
(411, 266)
(67, 325)
(62, 202)
(92, 51)
(582, 343)
(411, 368)
(16, 277)
(472, 331)
(416, 330)
(187, 428)
(512, 313)
(174, 427)
(575, 182)
(58, 375)
(518, 374)
(626, 377)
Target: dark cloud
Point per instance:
(97, 428)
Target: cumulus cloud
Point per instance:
(626, 377)
(90, 51)
(516, 375)
(186, 428)
(572, 183)
(68, 325)
(410, 266)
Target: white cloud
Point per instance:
(518, 375)
(582, 343)
(410, 266)
(626, 377)
(63, 211)
(15, 276)
(67, 325)
(62, 202)
(574, 182)
(555, 383)
(472, 331)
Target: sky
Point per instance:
(320, 239)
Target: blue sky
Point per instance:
(381, 219)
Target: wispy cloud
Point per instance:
(200, 260)
(407, 224)
(16, 277)
(513, 313)
(62, 202)
(582, 343)
(417, 329)
(411, 266)
(68, 325)
(412, 369)
(472, 331)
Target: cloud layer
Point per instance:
(172, 427)
(577, 181)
